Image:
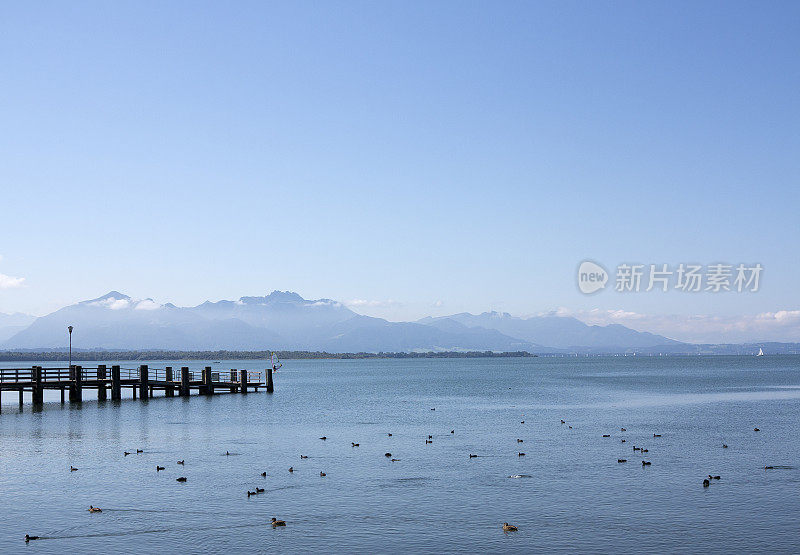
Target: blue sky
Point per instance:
(409, 158)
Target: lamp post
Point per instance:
(69, 329)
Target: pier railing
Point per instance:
(142, 380)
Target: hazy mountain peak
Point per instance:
(110, 296)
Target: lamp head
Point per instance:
(69, 328)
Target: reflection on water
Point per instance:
(568, 493)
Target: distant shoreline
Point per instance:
(22, 356)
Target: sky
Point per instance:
(406, 158)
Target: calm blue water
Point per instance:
(435, 498)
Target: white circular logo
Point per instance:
(592, 277)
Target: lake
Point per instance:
(567, 493)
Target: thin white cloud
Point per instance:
(147, 304)
(780, 325)
(10, 282)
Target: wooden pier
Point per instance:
(142, 380)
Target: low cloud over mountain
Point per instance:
(284, 320)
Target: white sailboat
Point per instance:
(760, 352)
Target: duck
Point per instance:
(606, 435)
(322, 474)
(623, 440)
(395, 460)
(569, 427)
(159, 468)
(125, 453)
(520, 454)
(637, 448)
(264, 474)
(706, 483)
(768, 467)
(29, 538)
(181, 479)
(756, 430)
(656, 435)
(471, 456)
(227, 453)
(303, 456)
(644, 450)
(387, 455)
(563, 422)
(519, 441)
(645, 463)
(140, 451)
(180, 462)
(710, 477)
(390, 435)
(623, 430)
(622, 460)
(72, 469)
(259, 490)
(95, 509)
(276, 522)
(427, 441)
(323, 438)
(509, 527)
(724, 445)
(452, 431)
(522, 422)
(355, 444)
(291, 469)
(434, 408)
(249, 493)
(430, 437)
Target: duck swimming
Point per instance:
(388, 455)
(29, 538)
(520, 454)
(322, 474)
(471, 456)
(72, 469)
(180, 462)
(159, 468)
(259, 490)
(303, 456)
(125, 453)
(291, 469)
(706, 483)
(355, 444)
(622, 460)
(140, 450)
(276, 522)
(323, 438)
(181, 479)
(509, 527)
(94, 509)
(264, 474)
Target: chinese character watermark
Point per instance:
(685, 277)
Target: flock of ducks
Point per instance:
(506, 526)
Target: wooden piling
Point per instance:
(21, 399)
(234, 379)
(116, 388)
(170, 389)
(37, 396)
(102, 392)
(184, 389)
(62, 394)
(206, 388)
(75, 384)
(269, 380)
(243, 381)
(144, 376)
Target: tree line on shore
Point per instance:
(85, 355)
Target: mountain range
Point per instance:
(284, 320)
